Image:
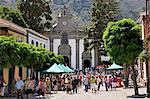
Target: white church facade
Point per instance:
(66, 38)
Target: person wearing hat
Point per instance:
(29, 86)
(48, 85)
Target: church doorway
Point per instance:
(66, 59)
(87, 64)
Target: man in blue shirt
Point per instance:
(19, 87)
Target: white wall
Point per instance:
(93, 59)
(144, 67)
(142, 30)
(39, 40)
(72, 43)
(56, 44)
(81, 50)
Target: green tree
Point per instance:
(36, 13)
(103, 11)
(122, 41)
(12, 15)
(24, 55)
(10, 50)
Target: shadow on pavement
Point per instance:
(137, 96)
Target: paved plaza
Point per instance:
(120, 93)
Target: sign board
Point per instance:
(105, 58)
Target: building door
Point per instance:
(87, 64)
(66, 59)
(20, 72)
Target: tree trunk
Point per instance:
(32, 72)
(134, 80)
(126, 75)
(12, 87)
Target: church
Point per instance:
(67, 39)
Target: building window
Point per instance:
(19, 39)
(32, 42)
(64, 38)
(40, 44)
(44, 45)
(37, 44)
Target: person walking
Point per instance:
(75, 85)
(29, 86)
(99, 82)
(86, 84)
(114, 82)
(93, 84)
(2, 85)
(106, 81)
(19, 87)
(55, 85)
(48, 85)
(40, 85)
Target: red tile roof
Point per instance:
(12, 26)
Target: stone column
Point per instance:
(77, 54)
(51, 44)
(96, 56)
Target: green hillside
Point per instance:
(81, 9)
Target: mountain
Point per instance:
(11, 3)
(81, 9)
(132, 8)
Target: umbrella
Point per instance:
(69, 69)
(65, 68)
(61, 66)
(54, 69)
(114, 66)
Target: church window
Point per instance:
(37, 44)
(32, 42)
(41, 44)
(64, 39)
(64, 13)
(44, 45)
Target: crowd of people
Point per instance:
(65, 82)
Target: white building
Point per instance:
(37, 39)
(141, 66)
(66, 39)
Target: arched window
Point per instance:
(44, 45)
(32, 42)
(37, 44)
(64, 38)
(40, 44)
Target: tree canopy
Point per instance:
(25, 54)
(36, 13)
(103, 11)
(122, 41)
(12, 15)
